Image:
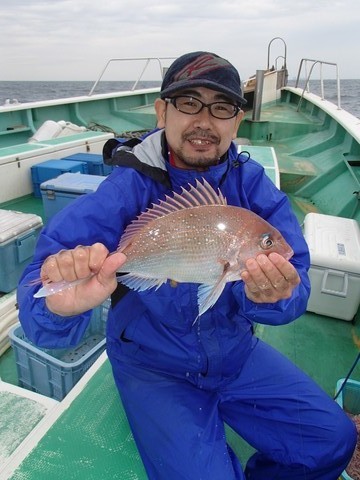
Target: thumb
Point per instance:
(111, 264)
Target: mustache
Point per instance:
(202, 134)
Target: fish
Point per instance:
(192, 237)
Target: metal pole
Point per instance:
(259, 85)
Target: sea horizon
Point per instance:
(23, 91)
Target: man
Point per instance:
(179, 381)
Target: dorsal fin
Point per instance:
(201, 194)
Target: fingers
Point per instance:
(269, 278)
(70, 265)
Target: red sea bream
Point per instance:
(195, 237)
(191, 237)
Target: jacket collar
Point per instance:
(153, 151)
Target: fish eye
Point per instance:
(266, 241)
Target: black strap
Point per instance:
(110, 145)
(120, 291)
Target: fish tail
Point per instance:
(56, 287)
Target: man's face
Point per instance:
(197, 141)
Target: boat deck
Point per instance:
(323, 347)
(319, 172)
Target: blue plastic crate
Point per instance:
(54, 372)
(52, 169)
(18, 235)
(349, 400)
(59, 192)
(94, 161)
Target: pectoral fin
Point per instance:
(209, 294)
(141, 283)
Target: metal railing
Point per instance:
(282, 56)
(305, 62)
(147, 61)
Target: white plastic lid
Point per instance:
(334, 242)
(13, 223)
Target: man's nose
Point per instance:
(204, 117)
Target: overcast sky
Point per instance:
(73, 39)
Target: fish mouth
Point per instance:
(288, 254)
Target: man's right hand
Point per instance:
(80, 263)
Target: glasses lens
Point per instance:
(223, 110)
(188, 105)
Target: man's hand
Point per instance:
(80, 263)
(269, 279)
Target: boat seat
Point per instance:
(266, 156)
(39, 148)
(242, 141)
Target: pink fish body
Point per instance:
(195, 237)
(191, 237)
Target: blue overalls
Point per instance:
(179, 381)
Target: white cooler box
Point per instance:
(18, 235)
(334, 245)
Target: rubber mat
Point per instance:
(91, 440)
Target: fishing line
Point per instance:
(347, 376)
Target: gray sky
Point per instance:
(73, 39)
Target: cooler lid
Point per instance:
(334, 242)
(73, 183)
(13, 224)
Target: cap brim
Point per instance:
(175, 87)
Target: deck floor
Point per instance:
(323, 347)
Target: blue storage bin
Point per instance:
(52, 169)
(54, 372)
(60, 191)
(94, 161)
(18, 235)
(349, 401)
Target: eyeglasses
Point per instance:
(192, 106)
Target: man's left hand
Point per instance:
(269, 279)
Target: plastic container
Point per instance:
(334, 244)
(52, 169)
(54, 372)
(349, 400)
(59, 192)
(95, 164)
(18, 235)
(46, 131)
(8, 318)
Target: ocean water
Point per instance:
(33, 91)
(349, 93)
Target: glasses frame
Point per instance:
(173, 100)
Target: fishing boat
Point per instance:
(308, 146)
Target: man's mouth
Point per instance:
(200, 141)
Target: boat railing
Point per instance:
(280, 56)
(146, 60)
(305, 63)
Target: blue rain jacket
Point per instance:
(155, 328)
